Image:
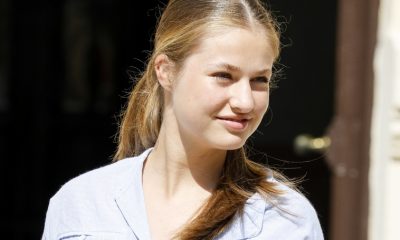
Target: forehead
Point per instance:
(245, 48)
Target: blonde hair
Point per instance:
(180, 29)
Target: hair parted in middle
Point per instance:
(181, 28)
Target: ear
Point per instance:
(164, 69)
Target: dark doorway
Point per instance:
(304, 100)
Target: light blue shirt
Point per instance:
(108, 204)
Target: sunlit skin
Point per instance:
(214, 103)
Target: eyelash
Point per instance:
(261, 79)
(224, 75)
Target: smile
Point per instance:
(234, 124)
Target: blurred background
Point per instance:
(65, 70)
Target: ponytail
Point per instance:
(182, 24)
(141, 119)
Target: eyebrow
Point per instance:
(233, 68)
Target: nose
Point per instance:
(241, 98)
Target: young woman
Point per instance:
(181, 171)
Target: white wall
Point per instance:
(384, 220)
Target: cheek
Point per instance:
(206, 95)
(191, 97)
(261, 102)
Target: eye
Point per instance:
(222, 75)
(261, 79)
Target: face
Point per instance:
(221, 94)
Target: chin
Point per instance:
(230, 144)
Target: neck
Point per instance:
(177, 167)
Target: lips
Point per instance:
(234, 123)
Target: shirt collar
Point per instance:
(250, 223)
(130, 201)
